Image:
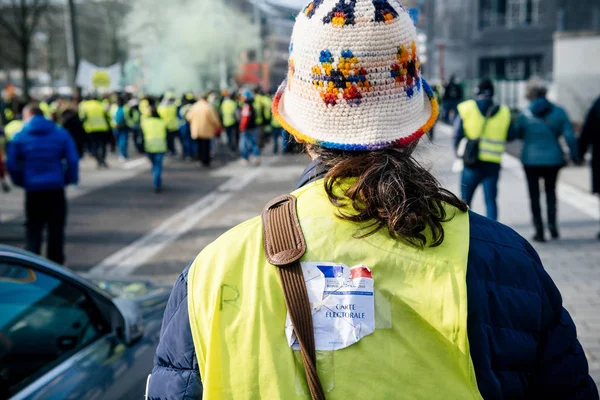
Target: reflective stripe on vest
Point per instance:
(419, 348)
(228, 109)
(155, 135)
(95, 117)
(493, 141)
(169, 115)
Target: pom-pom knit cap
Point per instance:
(354, 80)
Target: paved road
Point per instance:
(117, 225)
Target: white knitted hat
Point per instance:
(354, 80)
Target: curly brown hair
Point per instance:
(391, 190)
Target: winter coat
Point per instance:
(73, 125)
(523, 342)
(204, 120)
(36, 155)
(590, 136)
(540, 126)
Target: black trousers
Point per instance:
(46, 209)
(99, 142)
(204, 151)
(550, 176)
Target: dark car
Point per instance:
(63, 336)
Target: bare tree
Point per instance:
(19, 19)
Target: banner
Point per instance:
(92, 78)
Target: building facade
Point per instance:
(503, 39)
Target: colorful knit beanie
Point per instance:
(354, 79)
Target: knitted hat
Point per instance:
(354, 79)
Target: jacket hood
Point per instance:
(39, 125)
(485, 104)
(540, 107)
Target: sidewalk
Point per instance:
(574, 261)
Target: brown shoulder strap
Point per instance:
(284, 246)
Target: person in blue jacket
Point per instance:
(43, 160)
(540, 126)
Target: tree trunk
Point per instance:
(25, 70)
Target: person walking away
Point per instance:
(490, 124)
(184, 127)
(120, 128)
(230, 123)
(541, 126)
(71, 123)
(453, 95)
(590, 136)
(168, 112)
(370, 281)
(43, 160)
(249, 131)
(133, 117)
(204, 124)
(275, 126)
(154, 129)
(96, 123)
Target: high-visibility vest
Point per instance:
(228, 109)
(12, 128)
(492, 144)
(259, 118)
(144, 108)
(132, 116)
(418, 350)
(93, 114)
(155, 135)
(45, 107)
(169, 115)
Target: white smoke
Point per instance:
(186, 45)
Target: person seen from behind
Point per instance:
(397, 278)
(96, 123)
(155, 134)
(121, 131)
(204, 125)
(43, 160)
(483, 128)
(168, 112)
(540, 126)
(590, 137)
(249, 130)
(453, 95)
(229, 111)
(71, 122)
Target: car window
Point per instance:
(43, 320)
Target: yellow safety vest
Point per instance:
(12, 128)
(45, 107)
(169, 115)
(113, 115)
(94, 116)
(419, 349)
(493, 141)
(259, 118)
(155, 135)
(228, 109)
(144, 108)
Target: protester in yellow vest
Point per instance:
(12, 129)
(96, 122)
(485, 125)
(154, 129)
(168, 113)
(396, 290)
(229, 116)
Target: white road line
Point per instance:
(573, 196)
(136, 163)
(128, 259)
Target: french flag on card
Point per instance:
(361, 272)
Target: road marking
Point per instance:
(130, 258)
(584, 202)
(135, 163)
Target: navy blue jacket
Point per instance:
(523, 342)
(42, 157)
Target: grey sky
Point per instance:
(295, 3)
